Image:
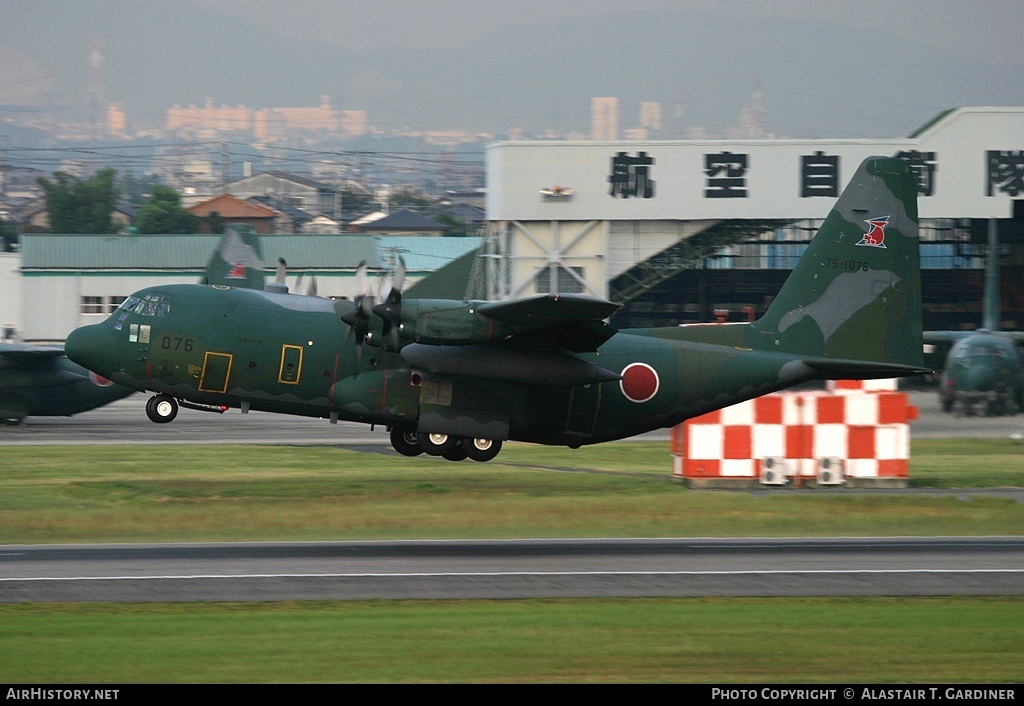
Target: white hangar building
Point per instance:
(67, 281)
(618, 219)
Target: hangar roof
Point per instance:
(175, 253)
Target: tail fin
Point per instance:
(238, 259)
(855, 295)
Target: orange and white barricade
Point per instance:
(855, 434)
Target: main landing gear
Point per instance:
(453, 448)
(161, 408)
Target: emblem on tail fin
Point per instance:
(875, 238)
(237, 271)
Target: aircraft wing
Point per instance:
(549, 309)
(954, 336)
(945, 336)
(573, 322)
(18, 355)
(525, 340)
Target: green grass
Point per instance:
(195, 493)
(233, 493)
(967, 463)
(865, 640)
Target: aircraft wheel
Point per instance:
(481, 449)
(11, 421)
(457, 453)
(161, 408)
(437, 444)
(405, 442)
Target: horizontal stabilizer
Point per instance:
(840, 369)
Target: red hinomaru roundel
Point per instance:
(639, 382)
(99, 380)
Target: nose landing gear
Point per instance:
(161, 408)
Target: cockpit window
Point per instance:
(128, 303)
(150, 305)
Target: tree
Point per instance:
(163, 213)
(80, 206)
(455, 226)
(8, 236)
(214, 222)
(408, 199)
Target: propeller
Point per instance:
(358, 317)
(310, 288)
(390, 309)
(279, 285)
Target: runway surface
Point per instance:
(514, 569)
(125, 422)
(483, 569)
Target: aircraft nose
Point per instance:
(92, 347)
(982, 376)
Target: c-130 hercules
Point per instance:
(457, 378)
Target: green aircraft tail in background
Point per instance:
(238, 259)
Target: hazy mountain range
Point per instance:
(819, 79)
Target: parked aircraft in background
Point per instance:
(40, 381)
(983, 370)
(457, 378)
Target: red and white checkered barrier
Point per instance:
(846, 434)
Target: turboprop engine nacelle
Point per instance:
(451, 323)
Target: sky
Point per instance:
(976, 29)
(858, 68)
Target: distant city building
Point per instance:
(404, 222)
(309, 195)
(267, 122)
(117, 121)
(650, 115)
(604, 118)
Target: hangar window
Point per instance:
(92, 305)
(557, 279)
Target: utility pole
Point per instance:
(225, 164)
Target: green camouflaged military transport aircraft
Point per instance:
(983, 371)
(39, 381)
(456, 378)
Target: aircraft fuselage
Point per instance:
(291, 354)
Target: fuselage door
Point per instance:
(216, 371)
(584, 406)
(291, 365)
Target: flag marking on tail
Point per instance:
(875, 238)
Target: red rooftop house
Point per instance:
(235, 211)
